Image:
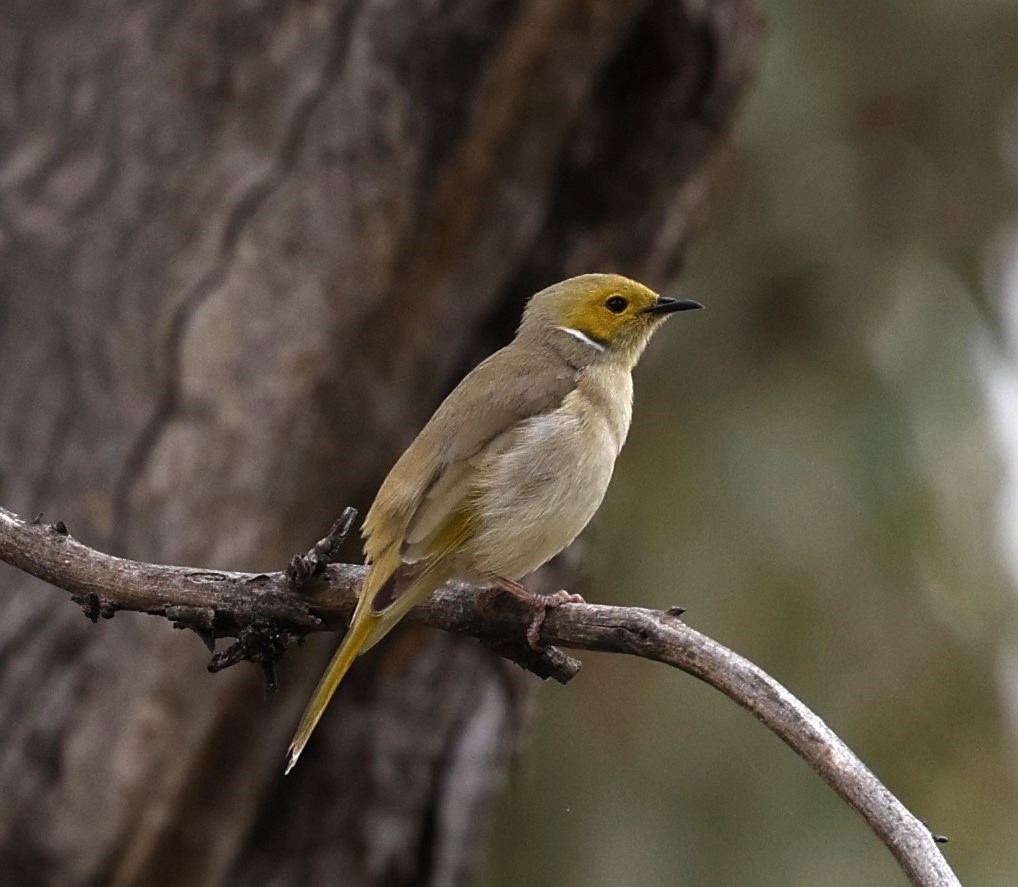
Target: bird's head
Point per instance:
(597, 317)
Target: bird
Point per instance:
(511, 466)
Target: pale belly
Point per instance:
(540, 492)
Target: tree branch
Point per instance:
(267, 611)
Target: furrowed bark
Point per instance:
(244, 251)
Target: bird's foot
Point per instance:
(546, 603)
(541, 605)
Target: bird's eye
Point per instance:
(616, 304)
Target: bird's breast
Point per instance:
(541, 485)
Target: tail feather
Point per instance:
(361, 629)
(361, 626)
(367, 629)
(417, 592)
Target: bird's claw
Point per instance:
(545, 603)
(539, 603)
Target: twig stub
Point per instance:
(325, 551)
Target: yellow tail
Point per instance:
(366, 630)
(364, 622)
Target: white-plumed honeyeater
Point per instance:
(511, 466)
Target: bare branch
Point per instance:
(265, 614)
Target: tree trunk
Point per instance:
(245, 248)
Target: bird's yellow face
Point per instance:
(608, 311)
(612, 313)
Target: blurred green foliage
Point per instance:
(814, 472)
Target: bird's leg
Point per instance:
(539, 603)
(514, 588)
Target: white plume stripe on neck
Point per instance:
(582, 337)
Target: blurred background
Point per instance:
(245, 248)
(823, 468)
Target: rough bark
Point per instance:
(244, 249)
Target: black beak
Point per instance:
(666, 305)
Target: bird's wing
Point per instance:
(421, 506)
